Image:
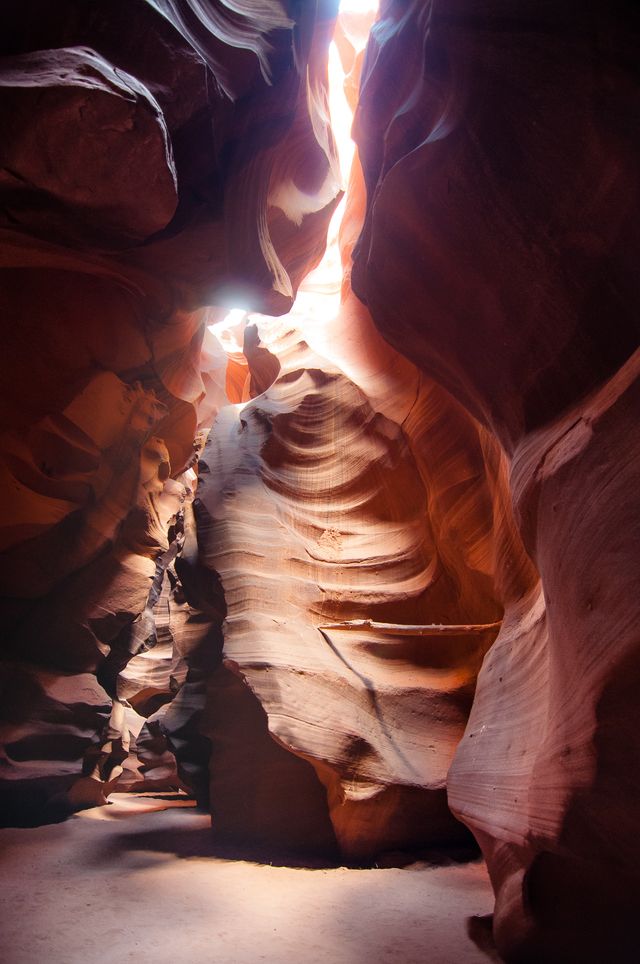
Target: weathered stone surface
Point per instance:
(498, 254)
(567, 664)
(346, 616)
(49, 721)
(499, 175)
(152, 164)
(372, 518)
(49, 99)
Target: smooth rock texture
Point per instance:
(501, 189)
(156, 160)
(346, 616)
(51, 98)
(405, 588)
(498, 254)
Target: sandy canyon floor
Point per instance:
(136, 881)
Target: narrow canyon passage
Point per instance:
(319, 530)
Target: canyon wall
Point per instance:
(354, 618)
(157, 159)
(434, 485)
(499, 254)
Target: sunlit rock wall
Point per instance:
(161, 157)
(359, 520)
(360, 555)
(499, 253)
(156, 159)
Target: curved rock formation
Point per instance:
(157, 159)
(358, 520)
(498, 253)
(354, 617)
(368, 518)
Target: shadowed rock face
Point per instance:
(499, 254)
(504, 164)
(156, 159)
(381, 526)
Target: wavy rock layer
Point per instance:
(49, 722)
(156, 159)
(355, 627)
(372, 520)
(498, 253)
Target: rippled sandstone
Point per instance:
(372, 518)
(499, 254)
(157, 159)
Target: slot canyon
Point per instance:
(320, 461)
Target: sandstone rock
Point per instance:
(316, 516)
(371, 519)
(49, 721)
(51, 99)
(144, 158)
(497, 254)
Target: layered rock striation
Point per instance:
(498, 253)
(406, 583)
(157, 159)
(356, 625)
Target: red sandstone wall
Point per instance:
(149, 152)
(499, 254)
(151, 165)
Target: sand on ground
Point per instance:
(133, 882)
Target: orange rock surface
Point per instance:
(498, 253)
(156, 160)
(400, 596)
(345, 616)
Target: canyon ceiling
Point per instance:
(356, 562)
